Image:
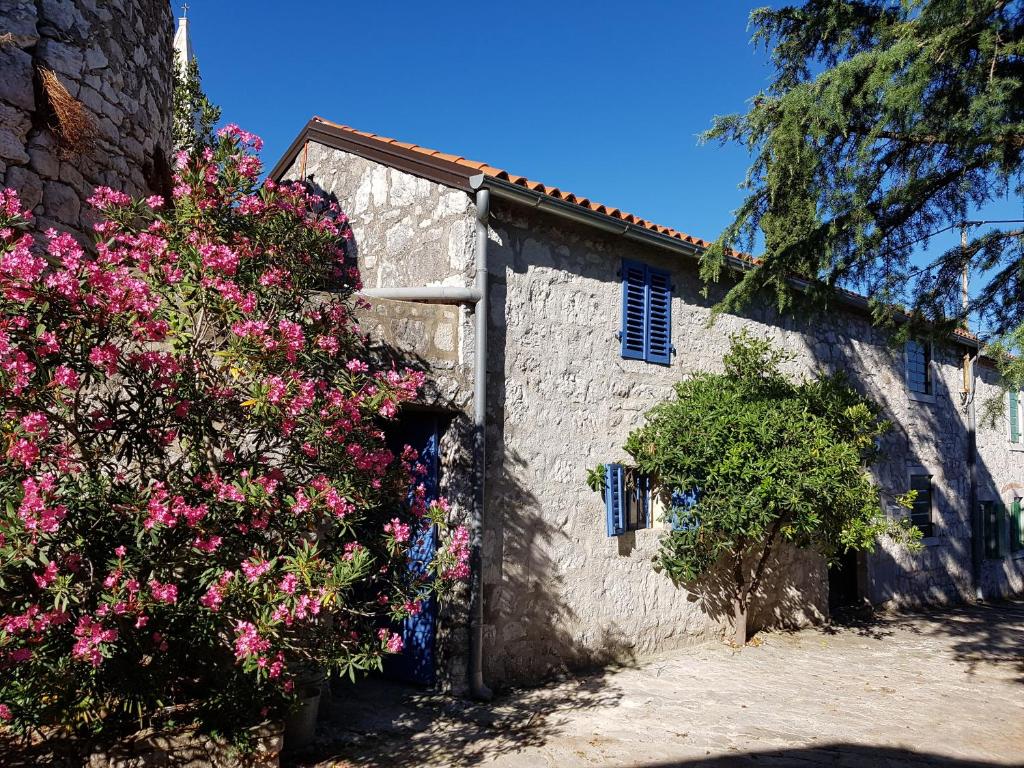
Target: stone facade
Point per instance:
(559, 592)
(114, 58)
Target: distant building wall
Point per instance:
(114, 59)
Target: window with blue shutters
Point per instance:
(646, 313)
(627, 499)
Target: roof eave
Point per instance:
(416, 163)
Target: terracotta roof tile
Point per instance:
(536, 186)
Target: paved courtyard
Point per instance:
(933, 689)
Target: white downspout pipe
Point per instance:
(478, 689)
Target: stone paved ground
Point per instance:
(922, 690)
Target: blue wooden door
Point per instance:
(416, 662)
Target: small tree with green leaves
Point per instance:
(752, 460)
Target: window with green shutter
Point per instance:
(919, 367)
(993, 523)
(1014, 411)
(921, 511)
(1016, 527)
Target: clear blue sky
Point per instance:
(603, 99)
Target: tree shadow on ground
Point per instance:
(838, 754)
(387, 724)
(980, 635)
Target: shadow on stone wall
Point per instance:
(531, 632)
(786, 599)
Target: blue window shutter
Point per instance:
(1014, 419)
(613, 502)
(659, 333)
(634, 310)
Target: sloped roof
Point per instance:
(458, 166)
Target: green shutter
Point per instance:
(1016, 527)
(1014, 421)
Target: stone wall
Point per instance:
(114, 58)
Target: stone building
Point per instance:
(85, 100)
(562, 391)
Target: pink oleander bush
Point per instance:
(197, 498)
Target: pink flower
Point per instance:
(248, 641)
(398, 529)
(392, 641)
(357, 366)
(65, 377)
(23, 452)
(214, 596)
(207, 544)
(5, 713)
(105, 356)
(253, 569)
(163, 593)
(119, 551)
(46, 578)
(91, 636)
(156, 202)
(105, 197)
(288, 583)
(458, 549)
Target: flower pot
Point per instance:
(300, 727)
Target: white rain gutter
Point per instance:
(438, 294)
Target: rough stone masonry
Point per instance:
(114, 59)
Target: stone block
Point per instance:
(61, 202)
(16, 83)
(20, 21)
(95, 58)
(63, 58)
(44, 162)
(61, 15)
(11, 148)
(27, 184)
(70, 175)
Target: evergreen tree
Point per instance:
(885, 121)
(194, 116)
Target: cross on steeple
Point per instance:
(184, 10)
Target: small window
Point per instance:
(993, 515)
(919, 367)
(646, 313)
(1016, 527)
(682, 512)
(1014, 409)
(921, 511)
(627, 497)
